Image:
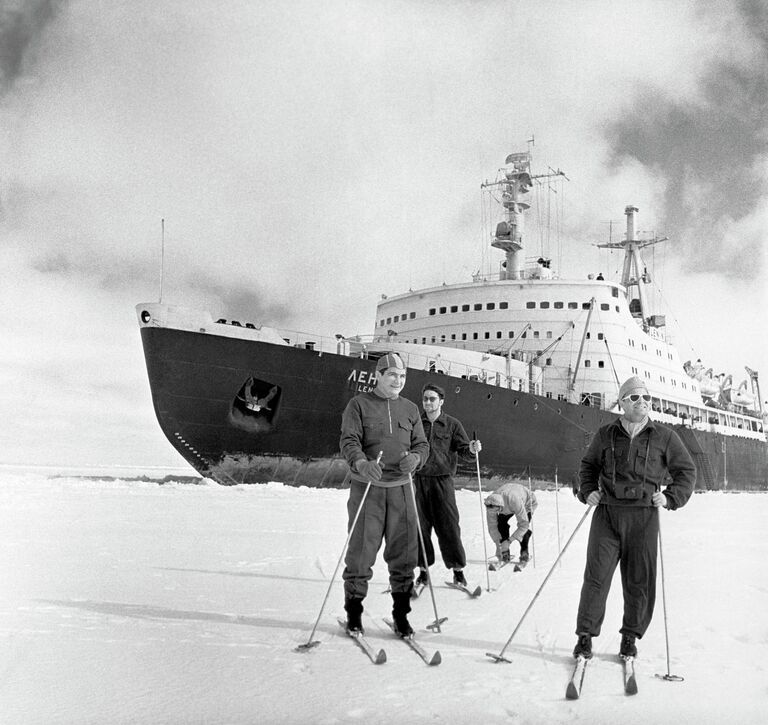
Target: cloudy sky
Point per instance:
(307, 157)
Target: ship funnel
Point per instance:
(631, 211)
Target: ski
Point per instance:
(378, 658)
(520, 565)
(573, 691)
(417, 590)
(476, 592)
(495, 565)
(630, 683)
(430, 659)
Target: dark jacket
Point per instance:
(628, 471)
(447, 441)
(371, 424)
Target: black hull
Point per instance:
(293, 436)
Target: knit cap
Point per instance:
(390, 360)
(632, 383)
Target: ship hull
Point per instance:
(291, 433)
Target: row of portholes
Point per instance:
(516, 401)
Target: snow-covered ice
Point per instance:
(133, 602)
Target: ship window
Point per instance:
(250, 325)
(474, 336)
(535, 334)
(599, 335)
(587, 363)
(605, 306)
(490, 306)
(389, 320)
(487, 335)
(423, 340)
(573, 305)
(503, 305)
(617, 308)
(549, 361)
(432, 311)
(433, 338)
(585, 305)
(454, 308)
(544, 305)
(549, 334)
(478, 305)
(465, 308)
(443, 310)
(601, 363)
(453, 336)
(589, 335)
(381, 323)
(222, 321)
(235, 323)
(530, 305)
(396, 318)
(615, 291)
(463, 335)
(403, 317)
(442, 338)
(412, 315)
(498, 335)
(558, 305)
(511, 334)
(525, 334)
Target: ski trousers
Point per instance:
(388, 514)
(627, 536)
(436, 499)
(502, 524)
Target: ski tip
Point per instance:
(477, 591)
(631, 687)
(436, 659)
(381, 657)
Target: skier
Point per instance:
(435, 493)
(510, 499)
(376, 422)
(621, 475)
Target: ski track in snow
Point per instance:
(126, 601)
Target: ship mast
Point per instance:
(517, 182)
(634, 275)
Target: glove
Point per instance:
(410, 462)
(659, 500)
(475, 447)
(369, 470)
(504, 547)
(594, 498)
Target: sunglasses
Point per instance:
(635, 397)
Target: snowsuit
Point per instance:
(371, 423)
(625, 524)
(435, 492)
(515, 500)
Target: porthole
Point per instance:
(516, 401)
(457, 390)
(490, 395)
(535, 406)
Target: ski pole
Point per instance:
(668, 677)
(500, 657)
(435, 626)
(310, 643)
(482, 515)
(557, 508)
(533, 542)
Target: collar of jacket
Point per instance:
(650, 425)
(440, 418)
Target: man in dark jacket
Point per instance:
(435, 493)
(621, 476)
(383, 441)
